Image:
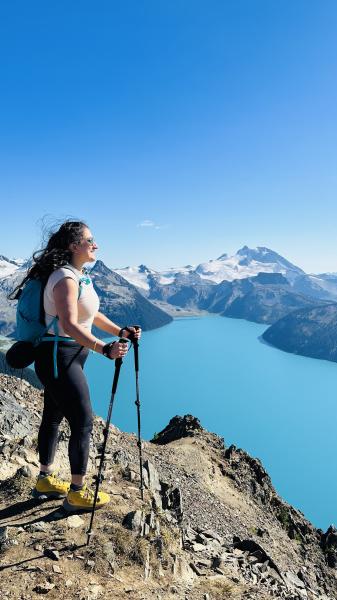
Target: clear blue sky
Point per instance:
(213, 121)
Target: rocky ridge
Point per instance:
(211, 525)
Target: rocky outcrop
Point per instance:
(211, 525)
(329, 546)
(178, 427)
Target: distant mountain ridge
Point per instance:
(264, 298)
(247, 262)
(231, 285)
(256, 284)
(261, 286)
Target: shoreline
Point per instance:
(175, 312)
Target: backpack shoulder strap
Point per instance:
(42, 311)
(78, 279)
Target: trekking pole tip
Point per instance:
(89, 534)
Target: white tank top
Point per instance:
(87, 304)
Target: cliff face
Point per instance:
(211, 525)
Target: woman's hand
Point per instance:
(118, 350)
(133, 333)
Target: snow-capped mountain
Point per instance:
(144, 278)
(247, 262)
(9, 265)
(138, 276)
(191, 286)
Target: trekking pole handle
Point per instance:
(132, 338)
(135, 344)
(119, 361)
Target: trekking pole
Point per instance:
(99, 477)
(137, 403)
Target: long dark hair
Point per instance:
(55, 254)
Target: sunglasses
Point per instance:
(90, 241)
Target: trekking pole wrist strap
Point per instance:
(125, 328)
(106, 349)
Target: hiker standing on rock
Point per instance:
(71, 308)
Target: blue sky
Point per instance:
(215, 122)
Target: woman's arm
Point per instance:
(102, 322)
(65, 297)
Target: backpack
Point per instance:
(30, 315)
(30, 324)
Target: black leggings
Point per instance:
(67, 396)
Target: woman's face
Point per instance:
(85, 250)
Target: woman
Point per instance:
(71, 297)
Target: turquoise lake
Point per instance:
(279, 407)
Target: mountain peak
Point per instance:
(223, 256)
(242, 251)
(263, 254)
(144, 269)
(258, 251)
(100, 267)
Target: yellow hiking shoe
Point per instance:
(50, 486)
(84, 500)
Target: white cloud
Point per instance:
(146, 223)
(151, 225)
